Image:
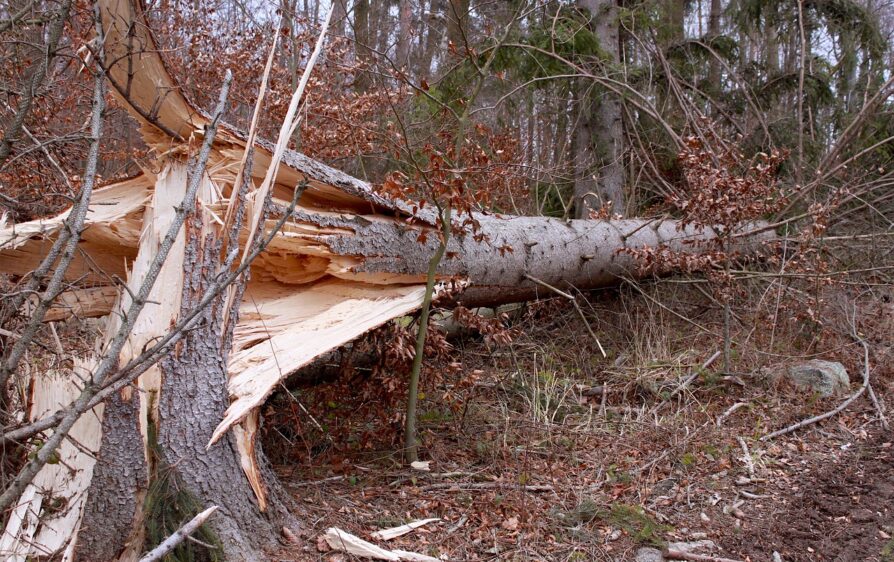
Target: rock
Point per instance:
(693, 546)
(828, 378)
(646, 554)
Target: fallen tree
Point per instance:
(338, 260)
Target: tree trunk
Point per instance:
(362, 38)
(600, 135)
(434, 33)
(154, 442)
(457, 19)
(505, 252)
(404, 34)
(713, 33)
(339, 15)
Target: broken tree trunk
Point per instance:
(345, 261)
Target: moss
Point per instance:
(631, 519)
(887, 554)
(637, 523)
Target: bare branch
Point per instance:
(179, 536)
(35, 81)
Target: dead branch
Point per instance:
(580, 312)
(487, 486)
(680, 555)
(179, 536)
(879, 407)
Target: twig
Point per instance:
(456, 527)
(179, 536)
(316, 482)
(695, 374)
(837, 410)
(729, 412)
(749, 463)
(8, 334)
(878, 408)
(571, 298)
(487, 486)
(680, 555)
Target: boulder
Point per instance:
(828, 378)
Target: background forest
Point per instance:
(593, 424)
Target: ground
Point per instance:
(529, 462)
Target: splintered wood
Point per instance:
(48, 514)
(282, 328)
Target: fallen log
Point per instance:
(345, 261)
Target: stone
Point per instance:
(693, 547)
(647, 554)
(828, 378)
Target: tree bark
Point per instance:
(404, 34)
(434, 33)
(192, 399)
(457, 19)
(505, 251)
(339, 15)
(713, 33)
(161, 433)
(362, 38)
(600, 136)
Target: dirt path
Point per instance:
(843, 512)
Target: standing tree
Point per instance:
(599, 142)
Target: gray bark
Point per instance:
(433, 35)
(339, 16)
(581, 253)
(192, 401)
(362, 45)
(457, 20)
(120, 477)
(600, 136)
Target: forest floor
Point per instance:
(530, 461)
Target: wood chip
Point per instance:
(343, 541)
(394, 532)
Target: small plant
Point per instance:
(887, 554)
(637, 523)
(631, 519)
